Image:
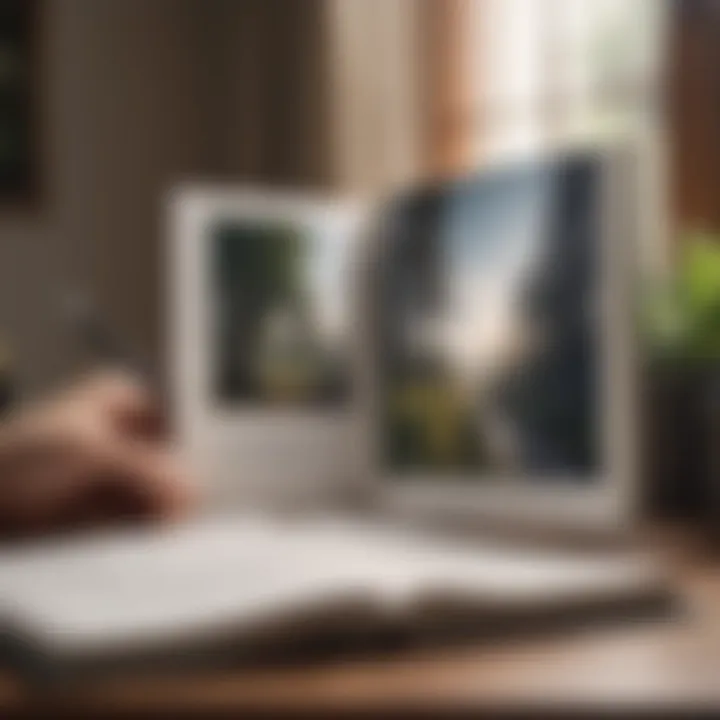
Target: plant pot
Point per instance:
(681, 440)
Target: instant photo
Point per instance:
(280, 314)
(490, 331)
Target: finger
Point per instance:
(127, 403)
(151, 476)
(49, 493)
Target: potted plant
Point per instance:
(682, 382)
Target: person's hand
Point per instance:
(96, 453)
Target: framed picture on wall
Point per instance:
(19, 136)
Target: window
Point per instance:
(548, 72)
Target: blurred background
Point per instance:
(106, 104)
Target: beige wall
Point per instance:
(125, 115)
(274, 70)
(139, 94)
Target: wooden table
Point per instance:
(660, 663)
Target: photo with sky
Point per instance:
(488, 359)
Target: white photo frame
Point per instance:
(608, 504)
(247, 456)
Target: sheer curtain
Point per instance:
(554, 72)
(431, 87)
(550, 74)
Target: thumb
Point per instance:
(151, 478)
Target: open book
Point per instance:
(246, 585)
